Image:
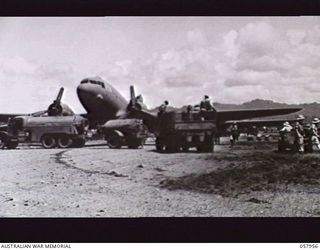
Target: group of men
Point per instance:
(305, 135)
(205, 105)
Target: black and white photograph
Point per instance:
(117, 117)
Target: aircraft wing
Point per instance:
(149, 118)
(5, 117)
(260, 122)
(226, 115)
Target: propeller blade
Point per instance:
(132, 96)
(59, 97)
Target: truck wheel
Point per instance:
(135, 143)
(48, 141)
(159, 146)
(172, 147)
(2, 141)
(185, 149)
(64, 141)
(78, 142)
(206, 146)
(114, 141)
(11, 144)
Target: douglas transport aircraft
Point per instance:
(104, 103)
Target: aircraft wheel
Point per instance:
(114, 141)
(11, 144)
(48, 141)
(64, 141)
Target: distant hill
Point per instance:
(310, 110)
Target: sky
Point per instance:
(179, 59)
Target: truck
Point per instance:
(50, 131)
(183, 130)
(125, 132)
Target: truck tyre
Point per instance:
(11, 144)
(172, 147)
(206, 146)
(64, 141)
(48, 141)
(185, 149)
(114, 140)
(159, 145)
(78, 142)
(2, 141)
(135, 144)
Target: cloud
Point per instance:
(258, 38)
(234, 63)
(17, 65)
(243, 64)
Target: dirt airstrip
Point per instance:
(250, 179)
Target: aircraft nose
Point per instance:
(86, 90)
(86, 94)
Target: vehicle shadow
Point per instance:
(178, 152)
(252, 172)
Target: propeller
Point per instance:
(55, 108)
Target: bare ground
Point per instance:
(95, 181)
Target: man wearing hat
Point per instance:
(314, 132)
(307, 138)
(284, 135)
(205, 104)
(163, 107)
(286, 127)
(299, 134)
(234, 134)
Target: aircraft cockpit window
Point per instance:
(84, 81)
(97, 83)
(101, 84)
(93, 82)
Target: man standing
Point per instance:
(284, 141)
(299, 134)
(314, 133)
(205, 104)
(234, 133)
(286, 128)
(163, 107)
